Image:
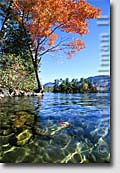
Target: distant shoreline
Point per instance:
(93, 84)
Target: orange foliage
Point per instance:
(77, 44)
(41, 16)
(85, 86)
(52, 38)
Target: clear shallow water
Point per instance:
(87, 139)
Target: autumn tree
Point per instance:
(42, 18)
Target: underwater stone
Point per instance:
(24, 137)
(5, 139)
(14, 155)
(6, 132)
(42, 132)
(22, 119)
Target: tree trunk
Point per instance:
(37, 78)
(34, 61)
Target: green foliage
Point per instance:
(14, 74)
(48, 89)
(16, 67)
(73, 86)
(15, 40)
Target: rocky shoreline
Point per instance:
(12, 93)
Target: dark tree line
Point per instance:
(73, 86)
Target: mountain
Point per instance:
(102, 82)
(99, 77)
(49, 84)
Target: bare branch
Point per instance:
(53, 48)
(46, 37)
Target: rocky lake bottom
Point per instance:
(58, 128)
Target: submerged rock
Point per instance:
(19, 123)
(1, 95)
(5, 139)
(61, 126)
(24, 120)
(5, 132)
(14, 155)
(24, 137)
(43, 132)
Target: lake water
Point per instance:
(86, 139)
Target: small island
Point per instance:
(94, 84)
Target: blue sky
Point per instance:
(87, 61)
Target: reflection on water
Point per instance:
(59, 128)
